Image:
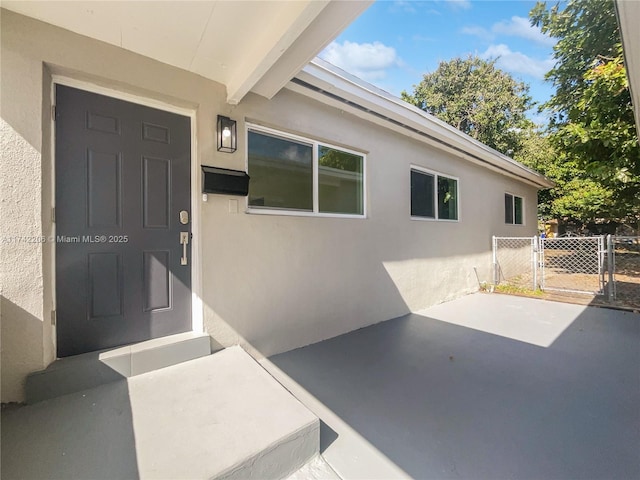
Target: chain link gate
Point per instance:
(625, 265)
(573, 264)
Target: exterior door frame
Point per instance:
(197, 322)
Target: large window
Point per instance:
(294, 174)
(433, 195)
(513, 209)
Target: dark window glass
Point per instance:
(281, 173)
(508, 208)
(518, 210)
(422, 194)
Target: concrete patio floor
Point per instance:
(486, 386)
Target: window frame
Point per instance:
(513, 206)
(436, 175)
(315, 176)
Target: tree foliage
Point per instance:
(592, 127)
(576, 196)
(330, 157)
(477, 98)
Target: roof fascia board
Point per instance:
(267, 53)
(628, 14)
(408, 133)
(407, 119)
(334, 18)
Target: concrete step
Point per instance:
(81, 372)
(221, 416)
(315, 469)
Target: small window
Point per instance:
(289, 173)
(513, 209)
(433, 196)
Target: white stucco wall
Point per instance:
(270, 283)
(301, 279)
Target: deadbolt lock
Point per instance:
(184, 217)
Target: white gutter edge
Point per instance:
(625, 25)
(336, 82)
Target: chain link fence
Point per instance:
(608, 266)
(514, 261)
(626, 270)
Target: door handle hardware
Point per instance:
(184, 241)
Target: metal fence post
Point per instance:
(534, 261)
(610, 267)
(542, 260)
(495, 260)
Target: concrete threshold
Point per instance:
(220, 416)
(80, 372)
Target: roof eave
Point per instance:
(330, 84)
(628, 14)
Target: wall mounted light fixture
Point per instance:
(227, 135)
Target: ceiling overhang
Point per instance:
(248, 46)
(629, 19)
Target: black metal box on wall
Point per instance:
(224, 181)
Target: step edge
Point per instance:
(238, 471)
(104, 370)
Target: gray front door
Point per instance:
(122, 180)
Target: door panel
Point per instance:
(105, 285)
(156, 185)
(104, 189)
(157, 280)
(122, 178)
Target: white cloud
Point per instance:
(516, 27)
(291, 153)
(517, 62)
(479, 32)
(540, 119)
(368, 61)
(404, 6)
(520, 27)
(459, 4)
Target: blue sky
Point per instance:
(393, 43)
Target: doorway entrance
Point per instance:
(123, 222)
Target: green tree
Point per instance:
(537, 153)
(592, 126)
(330, 157)
(576, 197)
(477, 98)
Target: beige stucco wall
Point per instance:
(269, 283)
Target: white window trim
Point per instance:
(436, 174)
(513, 202)
(316, 201)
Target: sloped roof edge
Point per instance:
(628, 17)
(320, 78)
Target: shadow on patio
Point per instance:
(486, 386)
